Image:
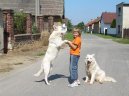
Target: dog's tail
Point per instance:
(110, 79)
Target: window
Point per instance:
(119, 11)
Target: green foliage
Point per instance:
(19, 22)
(113, 25)
(69, 26)
(41, 54)
(69, 36)
(80, 25)
(34, 29)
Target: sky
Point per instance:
(85, 10)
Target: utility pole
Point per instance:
(37, 10)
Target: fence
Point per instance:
(126, 33)
(23, 39)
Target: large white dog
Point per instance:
(93, 71)
(55, 43)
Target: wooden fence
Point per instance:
(126, 33)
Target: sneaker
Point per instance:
(78, 82)
(74, 84)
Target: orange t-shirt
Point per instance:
(76, 41)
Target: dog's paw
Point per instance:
(48, 84)
(66, 41)
(86, 81)
(114, 81)
(91, 83)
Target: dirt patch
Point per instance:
(26, 54)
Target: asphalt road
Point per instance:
(111, 57)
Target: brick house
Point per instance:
(49, 11)
(44, 12)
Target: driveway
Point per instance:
(111, 57)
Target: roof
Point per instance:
(47, 7)
(93, 21)
(97, 19)
(108, 17)
(123, 4)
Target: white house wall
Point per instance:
(126, 17)
(112, 31)
(109, 30)
(87, 28)
(104, 26)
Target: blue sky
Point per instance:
(85, 10)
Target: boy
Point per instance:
(75, 47)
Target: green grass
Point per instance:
(114, 38)
(41, 54)
(69, 36)
(106, 36)
(123, 41)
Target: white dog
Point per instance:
(55, 42)
(93, 71)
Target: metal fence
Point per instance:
(23, 39)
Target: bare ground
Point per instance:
(22, 56)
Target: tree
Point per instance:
(113, 25)
(69, 26)
(80, 25)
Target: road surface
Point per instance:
(111, 57)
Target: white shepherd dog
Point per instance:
(93, 71)
(55, 43)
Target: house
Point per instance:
(96, 28)
(51, 10)
(46, 7)
(89, 26)
(106, 21)
(122, 20)
(93, 26)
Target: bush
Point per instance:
(34, 29)
(19, 22)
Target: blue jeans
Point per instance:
(73, 67)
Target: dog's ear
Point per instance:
(93, 54)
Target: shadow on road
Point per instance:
(56, 76)
(53, 77)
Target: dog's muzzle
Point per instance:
(88, 62)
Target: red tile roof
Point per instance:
(108, 17)
(93, 21)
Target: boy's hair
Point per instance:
(77, 30)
